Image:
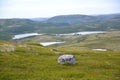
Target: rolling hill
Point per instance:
(59, 24)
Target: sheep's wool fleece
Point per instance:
(67, 59)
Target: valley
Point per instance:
(107, 40)
(29, 48)
(60, 24)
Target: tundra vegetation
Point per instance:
(30, 61)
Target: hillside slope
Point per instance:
(59, 24)
(88, 22)
(34, 62)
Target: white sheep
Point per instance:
(67, 59)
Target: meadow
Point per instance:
(34, 62)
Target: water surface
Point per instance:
(84, 33)
(20, 36)
(50, 43)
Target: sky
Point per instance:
(50, 8)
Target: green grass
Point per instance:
(31, 62)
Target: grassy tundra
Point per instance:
(34, 62)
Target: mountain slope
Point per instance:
(72, 19)
(85, 22)
(59, 24)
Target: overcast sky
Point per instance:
(49, 8)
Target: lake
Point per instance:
(83, 33)
(90, 32)
(50, 43)
(20, 36)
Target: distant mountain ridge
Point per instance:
(72, 19)
(82, 18)
(59, 24)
